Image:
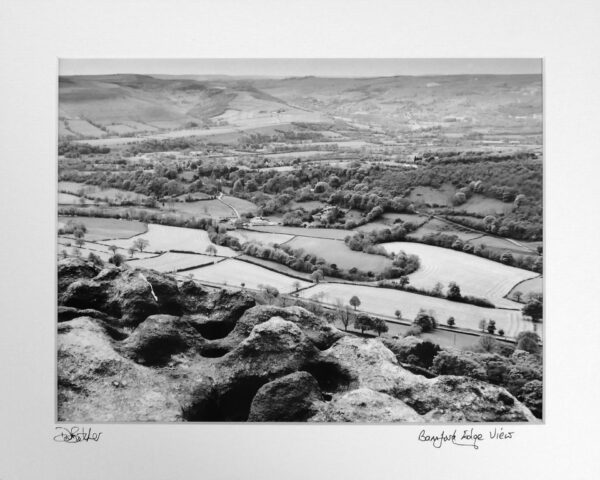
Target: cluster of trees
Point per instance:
(362, 241)
(299, 260)
(365, 323)
(453, 292)
(522, 224)
(163, 145)
(75, 150)
(518, 368)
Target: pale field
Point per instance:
(172, 262)
(121, 129)
(276, 266)
(503, 244)
(233, 272)
(100, 193)
(485, 205)
(163, 238)
(299, 154)
(106, 228)
(202, 208)
(474, 275)
(241, 205)
(332, 233)
(383, 301)
(70, 199)
(260, 237)
(438, 226)
(429, 195)
(335, 251)
(83, 127)
(533, 285)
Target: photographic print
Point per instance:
(300, 240)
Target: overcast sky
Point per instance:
(302, 67)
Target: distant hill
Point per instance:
(107, 105)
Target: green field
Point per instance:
(264, 238)
(107, 228)
(202, 208)
(93, 191)
(172, 262)
(475, 275)
(234, 272)
(383, 301)
(533, 285)
(162, 238)
(439, 226)
(336, 252)
(328, 233)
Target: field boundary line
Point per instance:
(270, 268)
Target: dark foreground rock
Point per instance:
(293, 398)
(139, 346)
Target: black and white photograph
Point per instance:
(300, 240)
(311, 239)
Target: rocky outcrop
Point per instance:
(292, 398)
(273, 349)
(321, 333)
(135, 346)
(220, 312)
(158, 338)
(365, 406)
(442, 399)
(72, 269)
(97, 384)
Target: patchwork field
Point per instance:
(439, 226)
(260, 237)
(475, 275)
(96, 192)
(502, 244)
(533, 285)
(242, 206)
(485, 205)
(172, 262)
(433, 196)
(203, 208)
(70, 199)
(383, 301)
(233, 272)
(84, 128)
(276, 266)
(162, 238)
(335, 251)
(331, 233)
(107, 228)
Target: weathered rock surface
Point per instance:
(69, 313)
(274, 348)
(136, 346)
(220, 312)
(365, 405)
(293, 398)
(322, 334)
(96, 384)
(441, 399)
(157, 338)
(72, 269)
